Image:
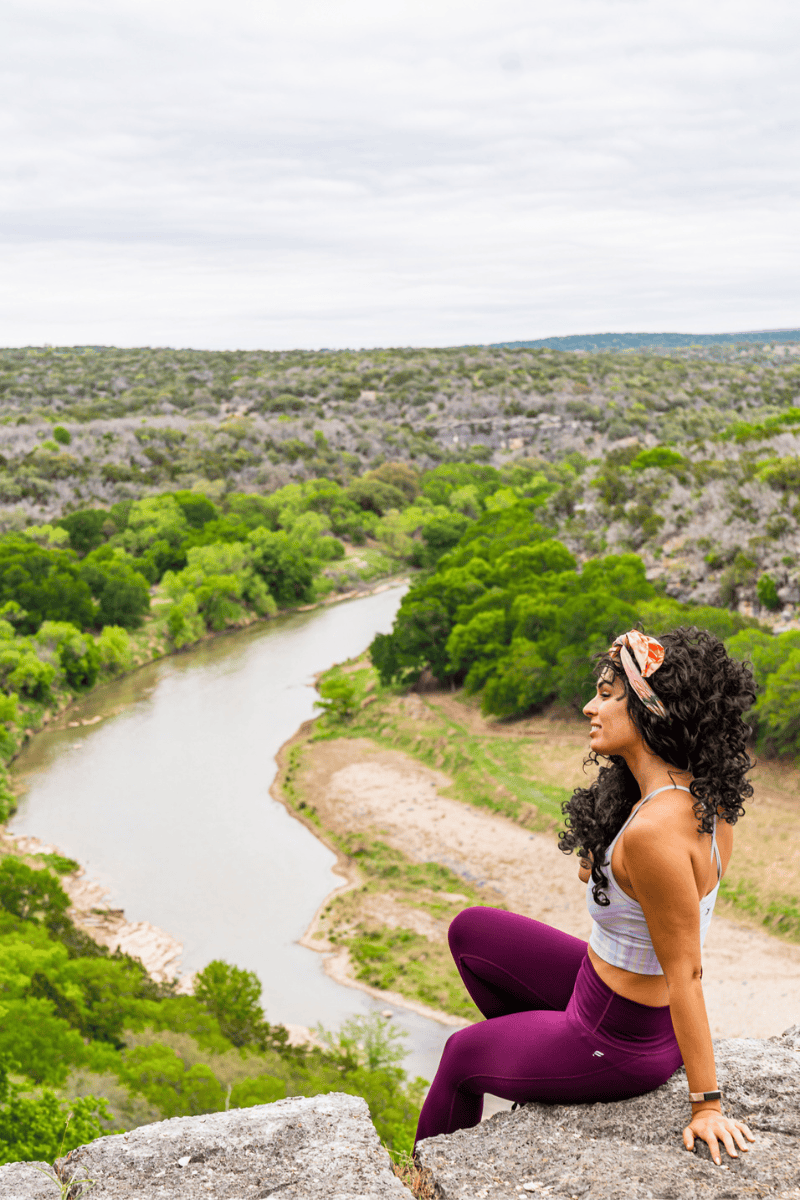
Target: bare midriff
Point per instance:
(644, 989)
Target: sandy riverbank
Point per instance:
(752, 980)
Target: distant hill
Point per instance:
(641, 341)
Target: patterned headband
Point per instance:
(648, 655)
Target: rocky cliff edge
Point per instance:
(326, 1146)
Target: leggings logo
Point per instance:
(598, 1054)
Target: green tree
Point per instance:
(520, 680)
(46, 584)
(121, 592)
(40, 1127)
(233, 997)
(197, 508)
(75, 652)
(32, 895)
(282, 566)
(777, 710)
(88, 528)
(264, 1089)
(160, 1075)
(373, 495)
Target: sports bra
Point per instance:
(619, 931)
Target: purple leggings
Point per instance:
(555, 1032)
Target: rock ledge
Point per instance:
(322, 1148)
(632, 1150)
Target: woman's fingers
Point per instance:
(745, 1129)
(727, 1131)
(713, 1146)
(727, 1141)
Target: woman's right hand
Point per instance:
(585, 870)
(710, 1125)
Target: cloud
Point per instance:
(257, 174)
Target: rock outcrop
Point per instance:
(633, 1150)
(322, 1148)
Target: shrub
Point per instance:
(32, 895)
(264, 1089)
(75, 652)
(62, 435)
(21, 669)
(767, 593)
(338, 696)
(160, 1075)
(184, 623)
(662, 457)
(39, 1128)
(115, 650)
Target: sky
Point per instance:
(252, 174)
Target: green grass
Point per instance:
(780, 917)
(403, 961)
(59, 864)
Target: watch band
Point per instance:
(699, 1097)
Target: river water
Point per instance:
(166, 802)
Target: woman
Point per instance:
(569, 1022)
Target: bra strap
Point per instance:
(670, 787)
(715, 850)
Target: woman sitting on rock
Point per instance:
(575, 1023)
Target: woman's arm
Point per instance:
(660, 870)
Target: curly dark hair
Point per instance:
(705, 693)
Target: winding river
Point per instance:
(166, 802)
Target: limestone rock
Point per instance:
(632, 1150)
(322, 1148)
(27, 1181)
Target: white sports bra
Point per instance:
(619, 931)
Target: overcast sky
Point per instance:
(264, 173)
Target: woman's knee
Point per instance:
(469, 930)
(457, 1057)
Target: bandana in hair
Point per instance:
(640, 656)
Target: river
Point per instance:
(166, 802)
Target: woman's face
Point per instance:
(612, 730)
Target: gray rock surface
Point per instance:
(323, 1148)
(633, 1150)
(29, 1180)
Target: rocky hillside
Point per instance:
(711, 513)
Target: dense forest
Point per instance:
(544, 501)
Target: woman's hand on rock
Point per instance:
(712, 1127)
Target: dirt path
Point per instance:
(752, 980)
